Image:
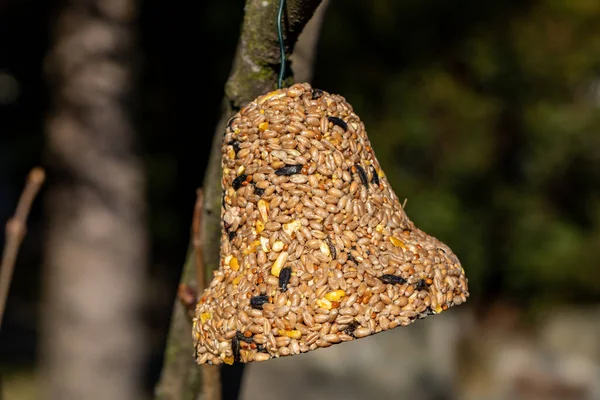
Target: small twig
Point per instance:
(187, 297)
(15, 232)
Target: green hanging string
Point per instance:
(281, 44)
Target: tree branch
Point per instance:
(15, 232)
(254, 71)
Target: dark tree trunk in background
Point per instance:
(96, 245)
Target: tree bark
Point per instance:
(254, 71)
(96, 239)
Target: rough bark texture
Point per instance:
(257, 61)
(96, 244)
(254, 71)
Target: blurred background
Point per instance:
(484, 115)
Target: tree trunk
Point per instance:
(96, 239)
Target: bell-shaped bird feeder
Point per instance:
(316, 248)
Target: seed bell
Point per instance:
(316, 248)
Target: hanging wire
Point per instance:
(281, 44)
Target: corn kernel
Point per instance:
(295, 334)
(251, 248)
(233, 264)
(263, 209)
(439, 309)
(237, 279)
(231, 153)
(279, 263)
(324, 303)
(336, 295)
(291, 227)
(228, 360)
(397, 242)
(205, 316)
(263, 126)
(379, 228)
(259, 227)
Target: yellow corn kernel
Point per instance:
(205, 316)
(251, 248)
(263, 126)
(263, 209)
(228, 360)
(259, 227)
(237, 279)
(295, 334)
(439, 309)
(397, 242)
(291, 227)
(279, 263)
(324, 303)
(336, 295)
(231, 153)
(233, 264)
(379, 228)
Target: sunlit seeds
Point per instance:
(310, 258)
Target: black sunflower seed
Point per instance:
(235, 144)
(240, 336)
(375, 178)
(362, 174)
(289, 170)
(258, 301)
(235, 348)
(339, 122)
(237, 182)
(392, 279)
(284, 278)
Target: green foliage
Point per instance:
(486, 119)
